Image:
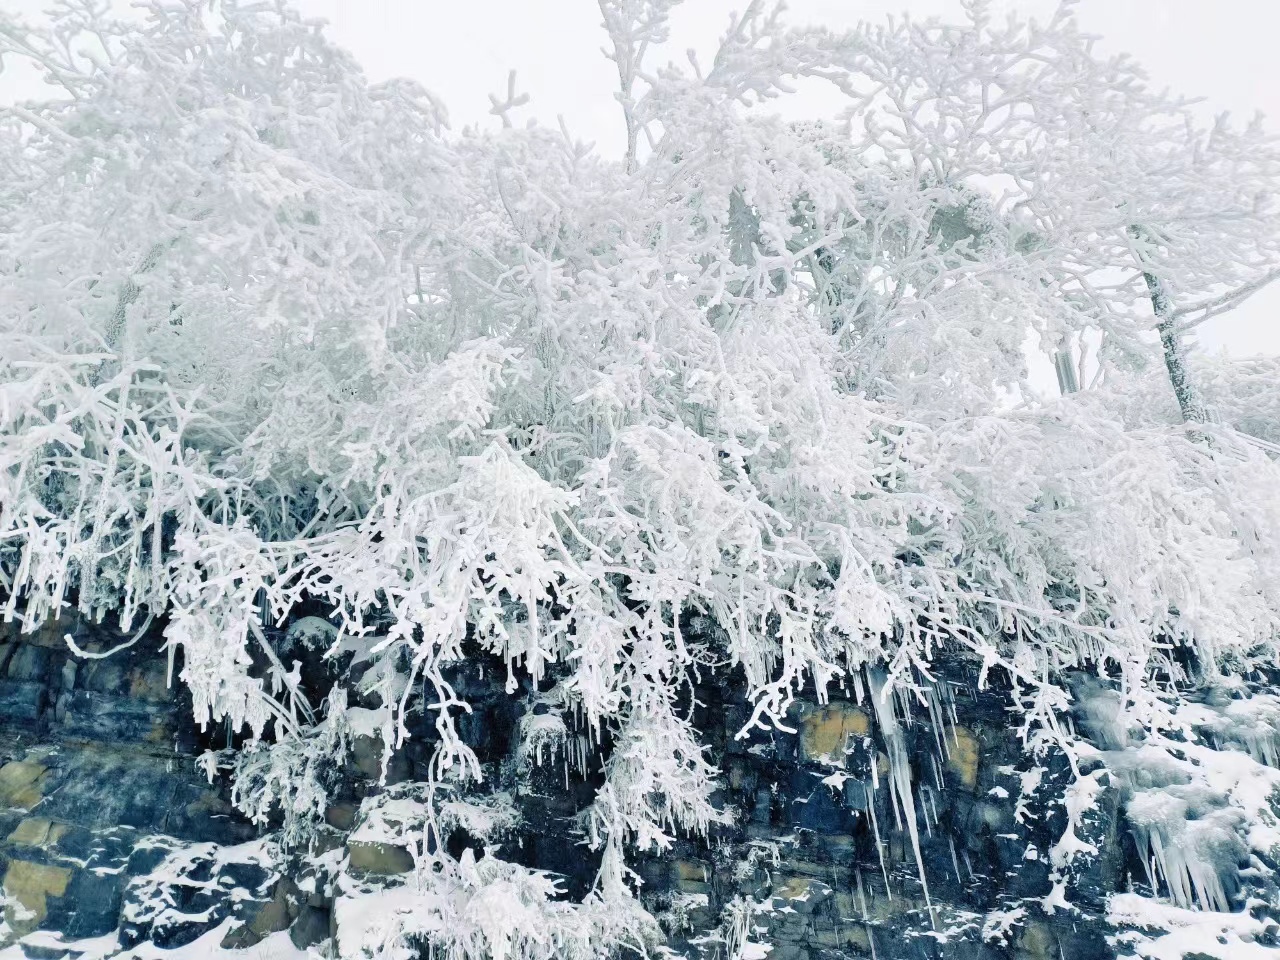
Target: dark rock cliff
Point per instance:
(110, 829)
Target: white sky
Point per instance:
(1222, 50)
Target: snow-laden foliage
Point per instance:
(274, 339)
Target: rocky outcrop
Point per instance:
(99, 789)
(112, 835)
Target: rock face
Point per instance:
(109, 829)
(820, 845)
(98, 789)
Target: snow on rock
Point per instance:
(1167, 932)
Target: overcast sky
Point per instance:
(1222, 50)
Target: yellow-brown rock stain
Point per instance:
(37, 832)
(28, 887)
(826, 731)
(964, 752)
(21, 783)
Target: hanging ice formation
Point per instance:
(900, 793)
(1197, 805)
(1195, 860)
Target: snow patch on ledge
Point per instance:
(1177, 931)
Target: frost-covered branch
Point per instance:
(1192, 315)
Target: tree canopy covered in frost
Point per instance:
(750, 401)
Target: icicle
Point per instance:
(895, 804)
(875, 832)
(899, 773)
(955, 720)
(935, 721)
(955, 862)
(855, 681)
(903, 710)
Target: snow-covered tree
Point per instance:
(275, 340)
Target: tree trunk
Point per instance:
(1064, 366)
(1190, 402)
